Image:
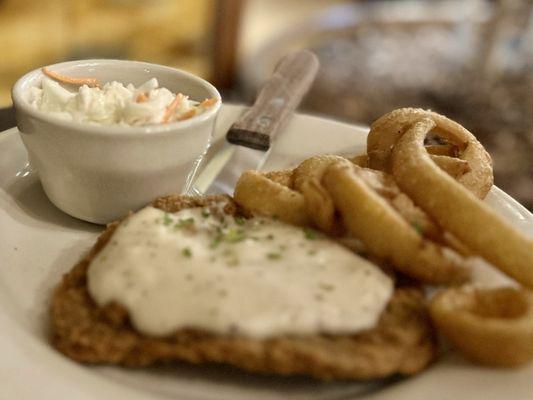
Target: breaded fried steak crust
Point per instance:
(402, 342)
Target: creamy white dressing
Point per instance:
(258, 278)
(114, 103)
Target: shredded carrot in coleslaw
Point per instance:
(91, 82)
(141, 98)
(171, 107)
(208, 102)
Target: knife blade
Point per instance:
(249, 139)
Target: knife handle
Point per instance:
(276, 100)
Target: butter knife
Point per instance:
(250, 137)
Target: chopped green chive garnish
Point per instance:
(187, 252)
(310, 234)
(273, 256)
(166, 219)
(205, 213)
(311, 252)
(417, 227)
(216, 241)
(234, 235)
(240, 220)
(185, 223)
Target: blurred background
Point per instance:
(469, 59)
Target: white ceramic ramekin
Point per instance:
(98, 173)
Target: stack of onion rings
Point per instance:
(401, 233)
(410, 204)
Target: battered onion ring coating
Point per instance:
(320, 207)
(384, 185)
(258, 194)
(387, 188)
(490, 326)
(361, 160)
(283, 177)
(457, 210)
(387, 130)
(455, 167)
(442, 150)
(385, 233)
(313, 168)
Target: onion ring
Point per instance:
(259, 194)
(387, 130)
(455, 167)
(384, 185)
(320, 207)
(361, 160)
(255, 194)
(283, 177)
(319, 204)
(442, 150)
(490, 326)
(387, 188)
(385, 233)
(313, 167)
(458, 210)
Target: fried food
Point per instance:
(361, 160)
(385, 233)
(293, 196)
(387, 130)
(259, 196)
(442, 150)
(313, 168)
(417, 203)
(283, 177)
(319, 204)
(267, 195)
(454, 167)
(384, 185)
(489, 326)
(305, 180)
(458, 210)
(417, 211)
(402, 342)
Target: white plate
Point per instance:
(38, 243)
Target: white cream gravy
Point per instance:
(257, 278)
